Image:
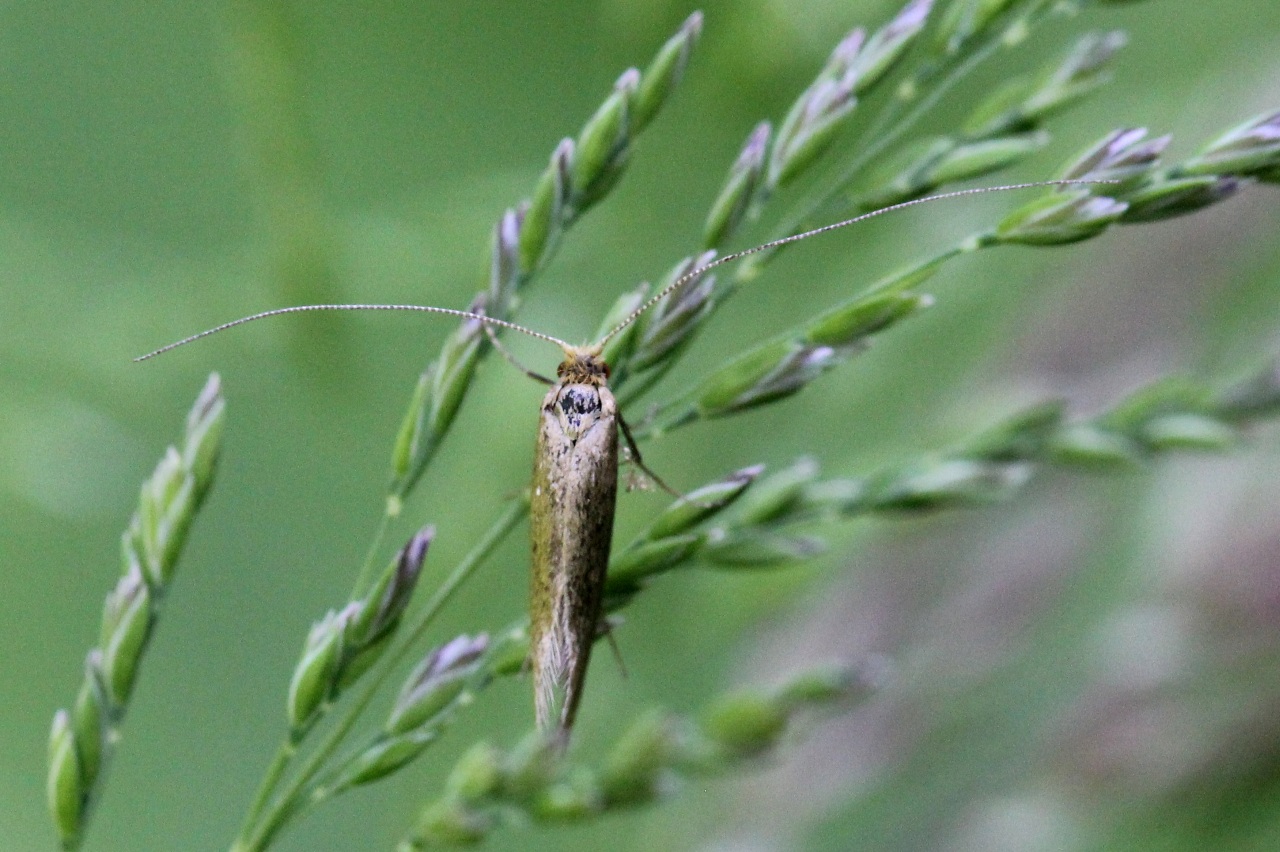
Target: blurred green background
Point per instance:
(1095, 667)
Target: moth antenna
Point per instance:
(297, 309)
(795, 238)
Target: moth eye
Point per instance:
(605, 370)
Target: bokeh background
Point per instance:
(1094, 667)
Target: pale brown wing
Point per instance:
(575, 479)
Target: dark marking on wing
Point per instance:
(578, 403)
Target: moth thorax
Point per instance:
(583, 366)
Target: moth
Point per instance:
(571, 508)
(575, 477)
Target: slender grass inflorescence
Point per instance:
(582, 171)
(344, 644)
(84, 737)
(530, 783)
(845, 146)
(770, 521)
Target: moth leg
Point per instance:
(511, 359)
(605, 629)
(638, 461)
(634, 452)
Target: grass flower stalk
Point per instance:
(83, 738)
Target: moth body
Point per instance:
(575, 478)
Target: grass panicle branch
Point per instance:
(272, 811)
(778, 368)
(534, 783)
(582, 171)
(769, 521)
(345, 643)
(83, 738)
(1002, 135)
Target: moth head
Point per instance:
(583, 365)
